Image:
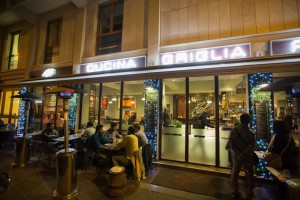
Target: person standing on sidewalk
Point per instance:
(242, 140)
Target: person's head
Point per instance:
(113, 125)
(99, 129)
(279, 127)
(50, 126)
(208, 110)
(245, 118)
(131, 130)
(89, 124)
(136, 127)
(281, 116)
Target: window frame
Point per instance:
(10, 55)
(58, 36)
(111, 5)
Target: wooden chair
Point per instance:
(43, 150)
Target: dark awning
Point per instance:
(283, 84)
(252, 65)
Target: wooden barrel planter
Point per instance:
(117, 182)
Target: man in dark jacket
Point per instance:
(97, 139)
(242, 140)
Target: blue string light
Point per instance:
(151, 111)
(254, 82)
(22, 117)
(72, 112)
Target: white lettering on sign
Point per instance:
(203, 55)
(109, 65)
(49, 72)
(285, 46)
(295, 45)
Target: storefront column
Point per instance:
(153, 32)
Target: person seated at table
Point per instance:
(112, 133)
(142, 138)
(2, 123)
(49, 133)
(130, 143)
(97, 139)
(89, 130)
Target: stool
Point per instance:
(117, 182)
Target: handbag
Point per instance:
(275, 160)
(254, 155)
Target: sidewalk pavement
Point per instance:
(36, 184)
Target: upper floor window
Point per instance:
(53, 40)
(13, 50)
(110, 23)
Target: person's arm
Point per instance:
(105, 140)
(122, 143)
(271, 143)
(45, 135)
(56, 134)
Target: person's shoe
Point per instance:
(235, 195)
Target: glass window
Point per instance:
(15, 104)
(12, 50)
(35, 115)
(109, 38)
(49, 109)
(173, 130)
(7, 102)
(202, 120)
(133, 104)
(10, 109)
(232, 103)
(53, 40)
(90, 104)
(110, 103)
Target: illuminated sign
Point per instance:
(110, 65)
(49, 73)
(285, 46)
(208, 54)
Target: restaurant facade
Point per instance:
(158, 63)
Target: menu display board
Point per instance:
(149, 120)
(262, 120)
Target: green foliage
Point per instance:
(177, 123)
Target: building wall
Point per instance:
(68, 14)
(133, 25)
(185, 21)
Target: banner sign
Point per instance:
(285, 46)
(238, 51)
(112, 65)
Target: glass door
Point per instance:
(173, 119)
(201, 120)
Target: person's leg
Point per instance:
(119, 161)
(249, 183)
(236, 168)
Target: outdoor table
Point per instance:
(110, 149)
(73, 139)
